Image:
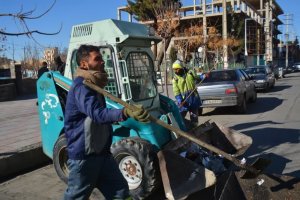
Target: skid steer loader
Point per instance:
(129, 61)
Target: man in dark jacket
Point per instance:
(43, 69)
(60, 65)
(89, 132)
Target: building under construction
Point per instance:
(259, 19)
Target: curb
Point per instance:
(23, 159)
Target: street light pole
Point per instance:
(246, 51)
(286, 50)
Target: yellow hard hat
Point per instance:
(176, 65)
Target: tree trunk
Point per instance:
(160, 55)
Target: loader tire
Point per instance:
(60, 157)
(139, 165)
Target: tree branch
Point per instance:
(22, 17)
(29, 33)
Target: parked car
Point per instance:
(262, 76)
(222, 88)
(278, 72)
(296, 67)
(290, 69)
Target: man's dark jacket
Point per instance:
(88, 122)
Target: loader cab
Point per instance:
(132, 79)
(129, 61)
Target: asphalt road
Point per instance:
(272, 122)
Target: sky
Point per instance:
(67, 13)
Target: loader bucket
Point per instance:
(182, 177)
(226, 139)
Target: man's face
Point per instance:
(95, 62)
(179, 72)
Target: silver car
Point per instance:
(224, 88)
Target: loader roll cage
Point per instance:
(141, 76)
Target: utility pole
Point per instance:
(224, 34)
(13, 44)
(246, 50)
(288, 22)
(286, 50)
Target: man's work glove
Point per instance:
(139, 114)
(178, 99)
(180, 102)
(183, 109)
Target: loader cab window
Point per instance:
(141, 76)
(107, 57)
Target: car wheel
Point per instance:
(254, 97)
(242, 109)
(272, 86)
(200, 111)
(267, 88)
(60, 157)
(138, 163)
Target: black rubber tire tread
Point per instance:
(60, 147)
(254, 98)
(144, 152)
(200, 111)
(242, 109)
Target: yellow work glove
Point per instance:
(139, 114)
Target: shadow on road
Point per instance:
(265, 139)
(25, 97)
(278, 88)
(263, 104)
(252, 124)
(292, 75)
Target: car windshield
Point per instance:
(219, 76)
(256, 70)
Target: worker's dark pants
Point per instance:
(99, 171)
(193, 116)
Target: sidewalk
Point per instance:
(20, 141)
(19, 125)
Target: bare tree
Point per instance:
(22, 17)
(63, 53)
(167, 24)
(191, 38)
(149, 10)
(3, 39)
(32, 57)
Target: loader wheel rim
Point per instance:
(63, 157)
(132, 171)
